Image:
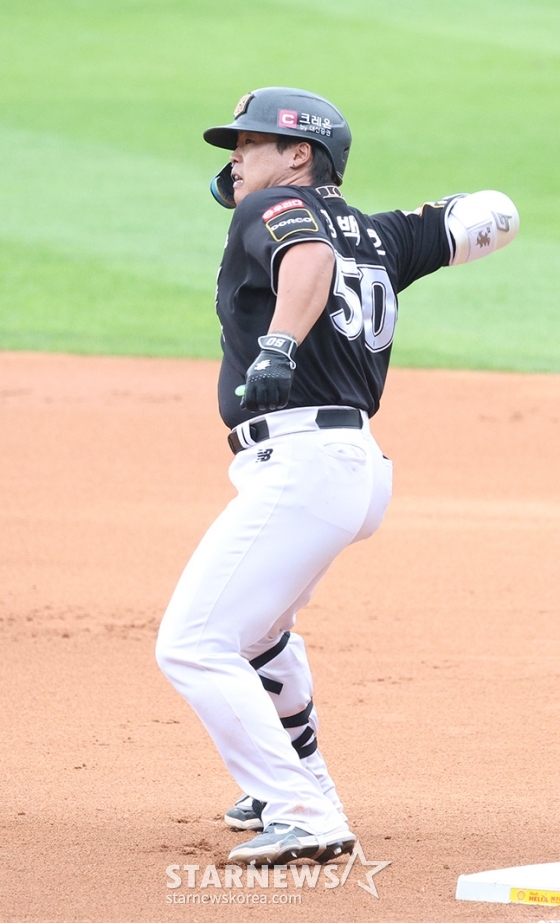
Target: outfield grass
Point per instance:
(109, 239)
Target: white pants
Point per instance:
(297, 508)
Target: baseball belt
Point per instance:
(299, 420)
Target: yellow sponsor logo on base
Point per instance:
(532, 896)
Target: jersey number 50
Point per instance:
(373, 311)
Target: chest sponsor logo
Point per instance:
(282, 207)
(291, 222)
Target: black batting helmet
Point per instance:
(283, 111)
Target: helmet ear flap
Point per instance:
(221, 187)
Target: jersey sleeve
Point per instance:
(420, 240)
(272, 220)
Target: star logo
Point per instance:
(358, 853)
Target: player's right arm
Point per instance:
(284, 236)
(304, 280)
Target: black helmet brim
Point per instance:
(224, 136)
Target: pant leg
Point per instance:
(294, 513)
(287, 679)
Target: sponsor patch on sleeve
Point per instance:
(282, 207)
(291, 221)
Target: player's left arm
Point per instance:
(479, 224)
(457, 229)
(304, 281)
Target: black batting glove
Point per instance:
(269, 378)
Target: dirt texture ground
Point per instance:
(435, 648)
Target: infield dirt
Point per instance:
(435, 646)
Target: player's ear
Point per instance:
(307, 152)
(302, 155)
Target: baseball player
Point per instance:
(307, 297)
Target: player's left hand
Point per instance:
(269, 378)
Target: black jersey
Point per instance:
(345, 356)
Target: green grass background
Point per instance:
(109, 239)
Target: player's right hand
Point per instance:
(269, 378)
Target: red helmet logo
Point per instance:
(287, 118)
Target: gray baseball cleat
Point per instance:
(280, 843)
(246, 814)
